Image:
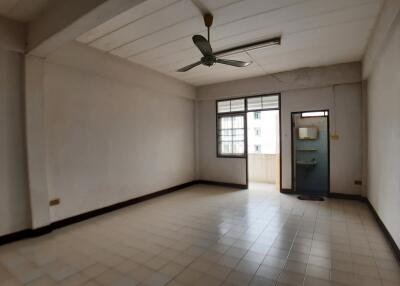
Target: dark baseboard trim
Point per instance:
(346, 196)
(27, 233)
(222, 184)
(97, 212)
(330, 195)
(15, 236)
(385, 231)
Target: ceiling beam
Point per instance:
(384, 27)
(64, 21)
(12, 35)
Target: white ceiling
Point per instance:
(157, 34)
(22, 10)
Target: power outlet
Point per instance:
(335, 136)
(358, 182)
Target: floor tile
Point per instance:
(269, 272)
(318, 272)
(291, 278)
(262, 281)
(94, 270)
(171, 269)
(238, 278)
(157, 279)
(42, 281)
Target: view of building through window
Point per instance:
(231, 135)
(263, 132)
(263, 146)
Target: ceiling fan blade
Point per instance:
(188, 67)
(234, 63)
(202, 44)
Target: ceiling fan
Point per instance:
(209, 58)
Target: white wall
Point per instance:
(211, 168)
(383, 121)
(114, 131)
(345, 118)
(305, 89)
(14, 195)
(36, 141)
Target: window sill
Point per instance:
(232, 156)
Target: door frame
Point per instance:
(280, 135)
(245, 135)
(328, 142)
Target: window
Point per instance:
(233, 105)
(257, 131)
(314, 114)
(231, 140)
(254, 103)
(263, 102)
(257, 115)
(257, 148)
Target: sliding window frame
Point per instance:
(218, 117)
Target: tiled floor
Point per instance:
(208, 235)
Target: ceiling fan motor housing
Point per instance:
(208, 60)
(208, 20)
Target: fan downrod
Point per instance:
(208, 20)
